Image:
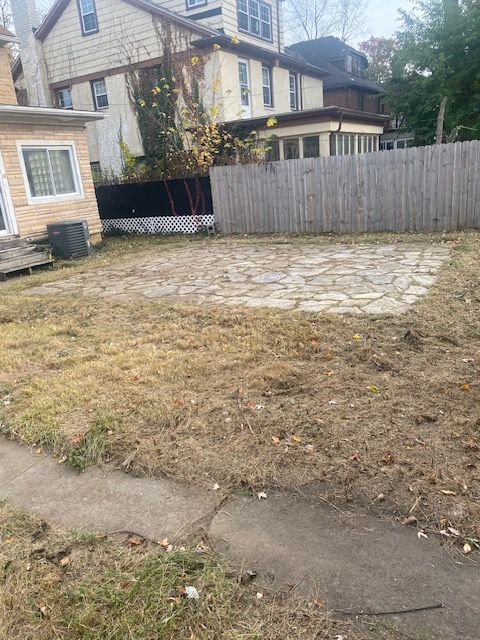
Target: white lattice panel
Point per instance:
(159, 225)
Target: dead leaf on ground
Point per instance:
(135, 540)
(467, 549)
(65, 561)
(388, 458)
(409, 520)
(447, 492)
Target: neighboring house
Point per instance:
(347, 84)
(396, 136)
(81, 54)
(45, 174)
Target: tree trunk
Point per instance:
(441, 120)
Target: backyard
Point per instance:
(374, 412)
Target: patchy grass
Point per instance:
(378, 412)
(76, 585)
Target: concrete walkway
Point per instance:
(352, 563)
(305, 276)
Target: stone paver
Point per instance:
(335, 278)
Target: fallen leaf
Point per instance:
(310, 448)
(454, 532)
(44, 612)
(388, 458)
(465, 387)
(262, 495)
(164, 543)
(275, 440)
(374, 389)
(259, 595)
(409, 520)
(297, 438)
(216, 487)
(318, 602)
(65, 561)
(446, 492)
(135, 540)
(38, 451)
(421, 534)
(467, 549)
(355, 456)
(328, 372)
(356, 336)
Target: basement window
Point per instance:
(50, 172)
(88, 16)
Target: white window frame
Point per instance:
(191, 4)
(55, 145)
(96, 95)
(59, 91)
(268, 69)
(245, 108)
(259, 4)
(83, 13)
(293, 93)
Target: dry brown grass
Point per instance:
(76, 585)
(347, 408)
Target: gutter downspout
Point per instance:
(279, 27)
(340, 123)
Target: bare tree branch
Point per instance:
(311, 19)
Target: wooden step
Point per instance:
(22, 263)
(13, 241)
(16, 252)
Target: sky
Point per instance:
(382, 17)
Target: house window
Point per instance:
(100, 98)
(88, 16)
(293, 92)
(291, 149)
(50, 171)
(273, 150)
(267, 85)
(311, 147)
(96, 171)
(255, 17)
(64, 98)
(343, 144)
(195, 3)
(244, 80)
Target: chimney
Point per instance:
(26, 20)
(7, 90)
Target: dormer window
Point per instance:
(88, 16)
(255, 17)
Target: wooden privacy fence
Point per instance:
(424, 188)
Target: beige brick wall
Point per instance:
(7, 90)
(32, 218)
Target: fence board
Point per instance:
(424, 188)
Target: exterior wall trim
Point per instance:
(7, 196)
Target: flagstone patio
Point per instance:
(365, 278)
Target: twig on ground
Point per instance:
(390, 613)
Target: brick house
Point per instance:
(45, 174)
(80, 56)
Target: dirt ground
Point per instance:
(381, 412)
